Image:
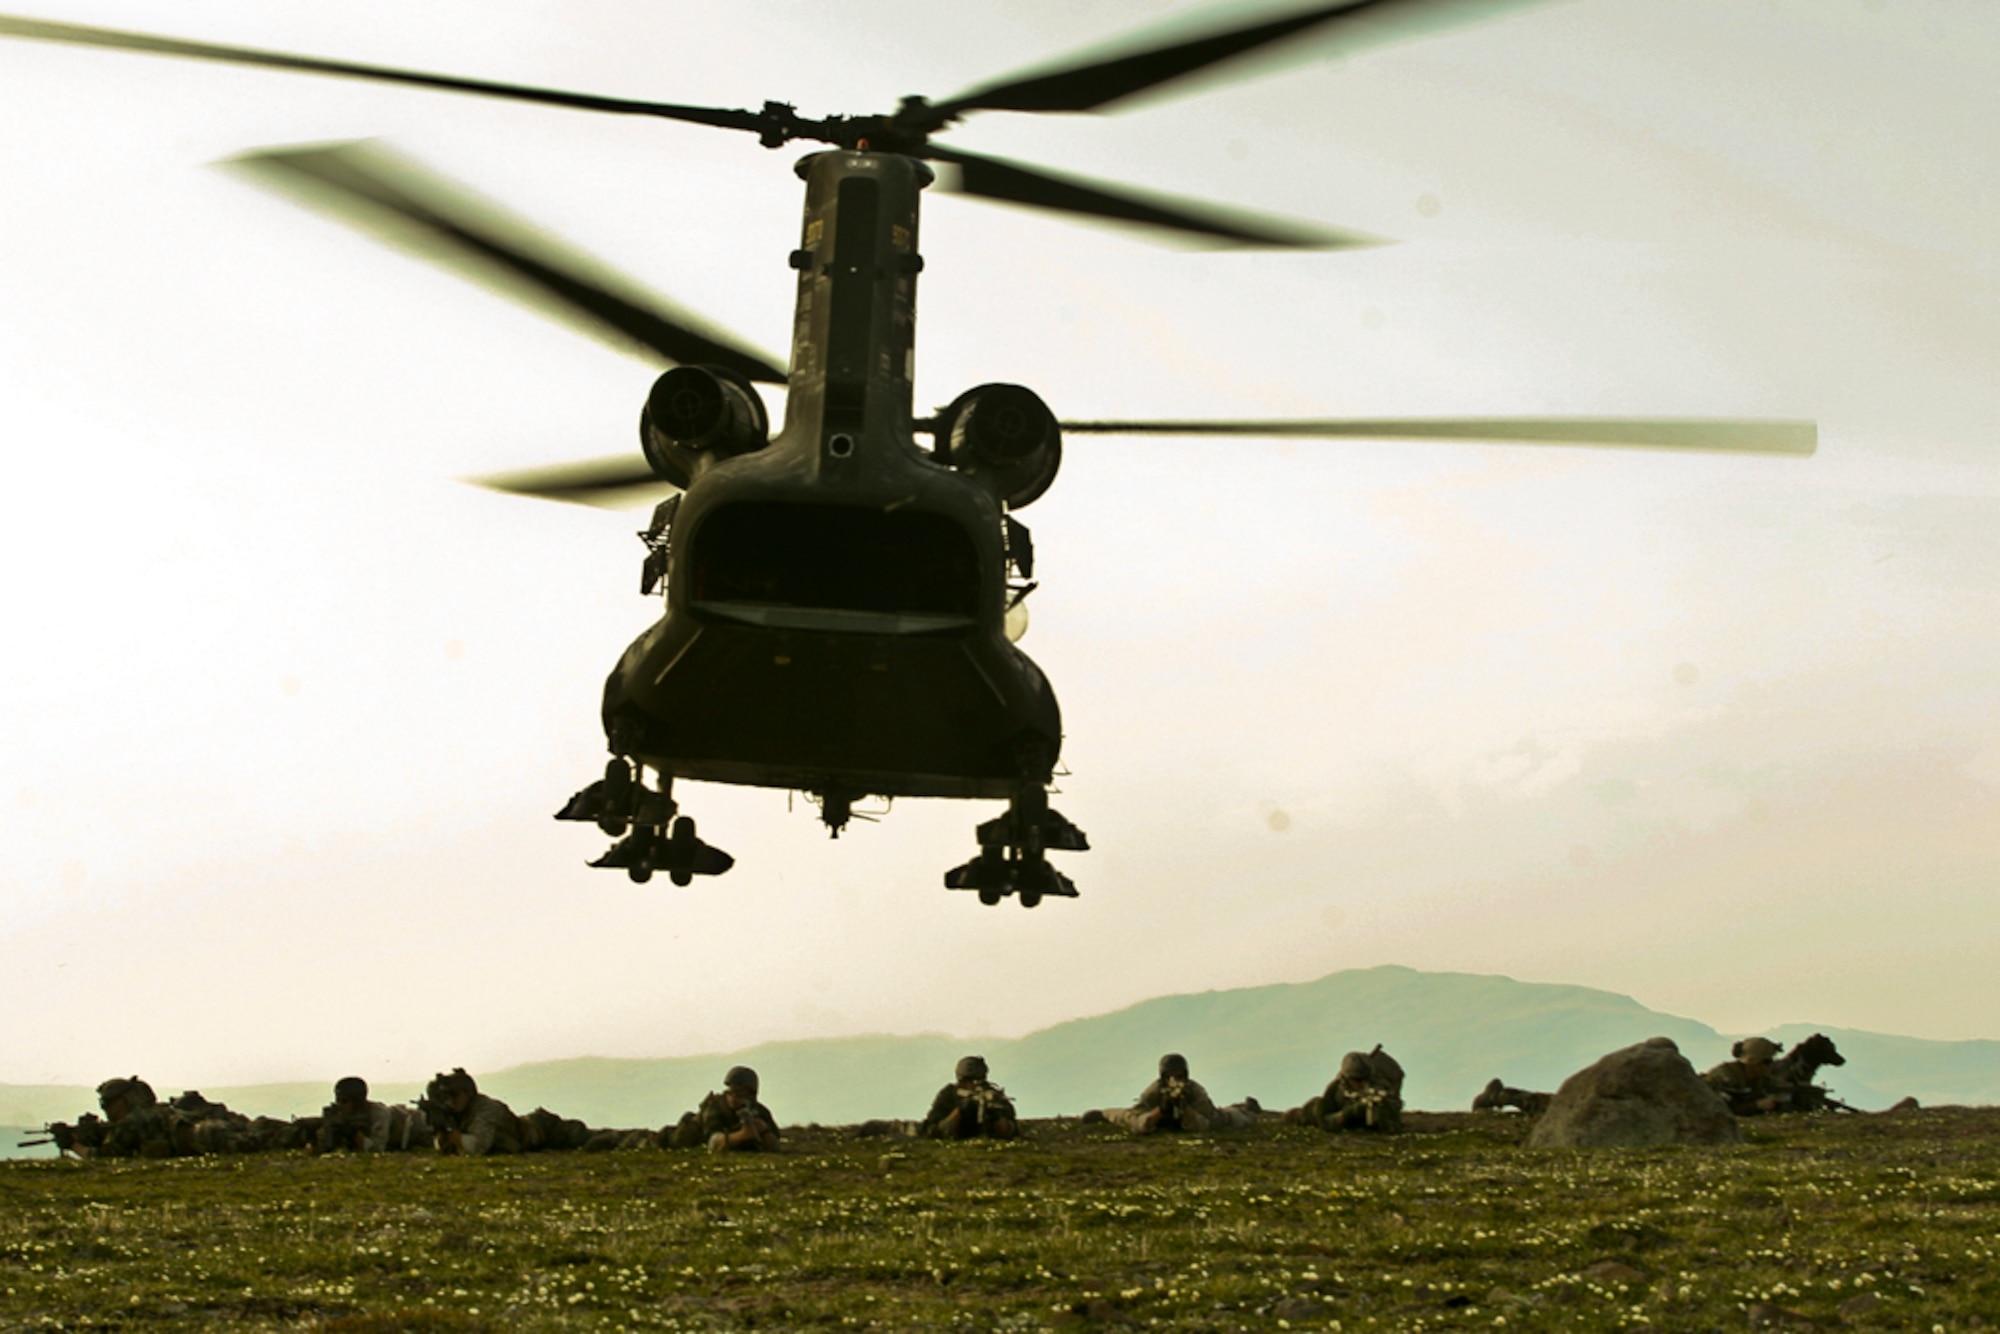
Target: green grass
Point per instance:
(1452, 1226)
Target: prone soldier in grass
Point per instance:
(1366, 1094)
(730, 1121)
(201, 1126)
(1498, 1097)
(1757, 1080)
(1747, 1081)
(971, 1107)
(134, 1124)
(130, 1122)
(354, 1122)
(466, 1121)
(1175, 1101)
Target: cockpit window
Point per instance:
(838, 558)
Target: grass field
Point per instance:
(1876, 1222)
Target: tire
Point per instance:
(681, 845)
(1034, 879)
(639, 874)
(617, 816)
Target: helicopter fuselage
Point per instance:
(836, 598)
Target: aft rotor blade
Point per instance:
(77, 34)
(994, 178)
(613, 483)
(1753, 436)
(1095, 83)
(399, 201)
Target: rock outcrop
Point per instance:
(1635, 1097)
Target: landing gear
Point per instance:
(660, 839)
(1011, 849)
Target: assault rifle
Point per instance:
(988, 1102)
(87, 1133)
(341, 1130)
(1173, 1099)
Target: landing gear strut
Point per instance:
(1011, 849)
(652, 835)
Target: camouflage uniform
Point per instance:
(466, 1121)
(201, 1126)
(353, 1122)
(971, 1107)
(543, 1129)
(1174, 1101)
(730, 1121)
(134, 1125)
(1749, 1082)
(1498, 1097)
(1367, 1094)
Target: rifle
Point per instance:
(1173, 1092)
(987, 1099)
(87, 1133)
(341, 1130)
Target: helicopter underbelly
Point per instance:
(961, 714)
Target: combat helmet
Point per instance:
(1173, 1066)
(136, 1092)
(1355, 1066)
(742, 1079)
(447, 1086)
(970, 1067)
(1755, 1051)
(351, 1089)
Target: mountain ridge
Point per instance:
(1279, 1042)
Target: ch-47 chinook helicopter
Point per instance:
(841, 601)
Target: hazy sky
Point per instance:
(285, 709)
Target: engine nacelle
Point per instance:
(1006, 437)
(696, 415)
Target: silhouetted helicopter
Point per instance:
(841, 602)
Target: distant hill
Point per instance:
(1451, 1031)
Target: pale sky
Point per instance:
(285, 709)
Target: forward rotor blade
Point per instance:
(1797, 438)
(401, 202)
(1091, 84)
(42, 30)
(994, 178)
(613, 483)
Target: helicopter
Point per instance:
(842, 601)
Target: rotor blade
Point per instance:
(1090, 84)
(77, 34)
(994, 178)
(1753, 436)
(613, 483)
(399, 201)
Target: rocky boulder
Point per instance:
(1638, 1096)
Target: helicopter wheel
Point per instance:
(616, 818)
(681, 845)
(991, 894)
(640, 873)
(1035, 880)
